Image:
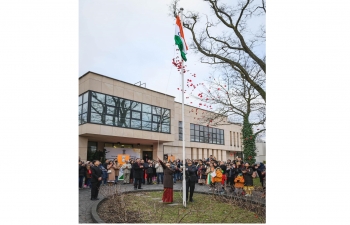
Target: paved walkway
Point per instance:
(85, 203)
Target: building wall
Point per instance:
(260, 152)
(168, 143)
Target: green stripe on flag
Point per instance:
(179, 43)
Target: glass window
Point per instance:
(110, 100)
(79, 119)
(196, 133)
(146, 108)
(165, 128)
(111, 110)
(85, 108)
(136, 106)
(84, 118)
(146, 125)
(136, 124)
(191, 132)
(97, 97)
(146, 117)
(86, 97)
(124, 113)
(201, 128)
(156, 110)
(79, 109)
(196, 127)
(192, 138)
(192, 126)
(135, 115)
(80, 100)
(123, 122)
(155, 126)
(155, 118)
(96, 107)
(96, 118)
(125, 103)
(109, 120)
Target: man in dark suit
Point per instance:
(191, 178)
(96, 178)
(138, 173)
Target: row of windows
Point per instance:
(204, 134)
(115, 111)
(237, 138)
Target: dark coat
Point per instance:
(168, 176)
(96, 173)
(223, 167)
(138, 172)
(231, 172)
(82, 170)
(191, 173)
(248, 179)
(149, 169)
(201, 171)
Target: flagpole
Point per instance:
(183, 127)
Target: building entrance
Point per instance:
(146, 155)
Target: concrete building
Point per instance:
(117, 115)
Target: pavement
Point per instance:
(85, 204)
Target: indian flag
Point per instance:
(180, 38)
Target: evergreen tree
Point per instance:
(248, 142)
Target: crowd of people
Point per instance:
(220, 176)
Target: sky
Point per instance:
(134, 41)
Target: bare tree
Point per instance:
(236, 43)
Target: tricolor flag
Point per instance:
(180, 38)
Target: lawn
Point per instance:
(146, 207)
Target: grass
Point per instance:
(205, 209)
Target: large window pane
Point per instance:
(109, 120)
(136, 106)
(192, 138)
(196, 133)
(80, 109)
(165, 128)
(156, 110)
(155, 118)
(80, 100)
(79, 119)
(86, 97)
(110, 100)
(136, 124)
(146, 108)
(124, 113)
(146, 125)
(96, 107)
(155, 126)
(125, 103)
(123, 122)
(192, 126)
(192, 132)
(111, 110)
(196, 127)
(85, 108)
(146, 117)
(96, 118)
(135, 115)
(97, 97)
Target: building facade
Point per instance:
(117, 115)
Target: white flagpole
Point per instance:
(183, 126)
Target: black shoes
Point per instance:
(140, 188)
(94, 199)
(191, 200)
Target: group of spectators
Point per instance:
(221, 176)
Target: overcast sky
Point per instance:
(134, 41)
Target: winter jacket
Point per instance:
(248, 179)
(239, 181)
(218, 176)
(159, 168)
